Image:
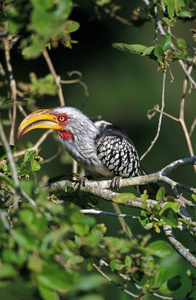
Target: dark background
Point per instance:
(122, 88)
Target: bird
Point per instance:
(103, 149)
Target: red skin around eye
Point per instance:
(62, 123)
(64, 134)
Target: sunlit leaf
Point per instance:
(35, 165)
(173, 205)
(7, 271)
(72, 26)
(181, 43)
(135, 48)
(159, 248)
(48, 294)
(171, 8)
(160, 194)
(123, 197)
(185, 14)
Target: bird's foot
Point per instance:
(81, 179)
(116, 183)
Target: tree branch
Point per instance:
(184, 252)
(160, 117)
(12, 83)
(56, 77)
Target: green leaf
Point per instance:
(135, 48)
(170, 217)
(159, 53)
(34, 50)
(128, 261)
(166, 44)
(75, 259)
(174, 283)
(181, 43)
(27, 216)
(194, 197)
(159, 248)
(72, 26)
(158, 277)
(27, 186)
(25, 240)
(171, 8)
(160, 194)
(43, 86)
(114, 265)
(47, 294)
(143, 218)
(7, 180)
(81, 229)
(148, 50)
(56, 278)
(99, 227)
(123, 197)
(7, 271)
(29, 156)
(169, 22)
(102, 2)
(185, 14)
(173, 205)
(35, 165)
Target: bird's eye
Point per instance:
(61, 119)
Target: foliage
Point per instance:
(49, 248)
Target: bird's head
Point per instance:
(66, 120)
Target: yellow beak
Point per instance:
(41, 118)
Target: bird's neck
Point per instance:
(79, 141)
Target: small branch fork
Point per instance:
(102, 190)
(103, 263)
(188, 78)
(97, 187)
(160, 117)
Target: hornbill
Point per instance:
(101, 148)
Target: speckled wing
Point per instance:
(118, 155)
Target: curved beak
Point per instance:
(41, 118)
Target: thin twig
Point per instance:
(184, 252)
(12, 83)
(160, 117)
(127, 278)
(192, 127)
(181, 116)
(122, 221)
(36, 146)
(56, 77)
(187, 73)
(12, 164)
(156, 108)
(48, 160)
(181, 226)
(107, 213)
(113, 282)
(18, 192)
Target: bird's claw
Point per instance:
(81, 180)
(116, 183)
